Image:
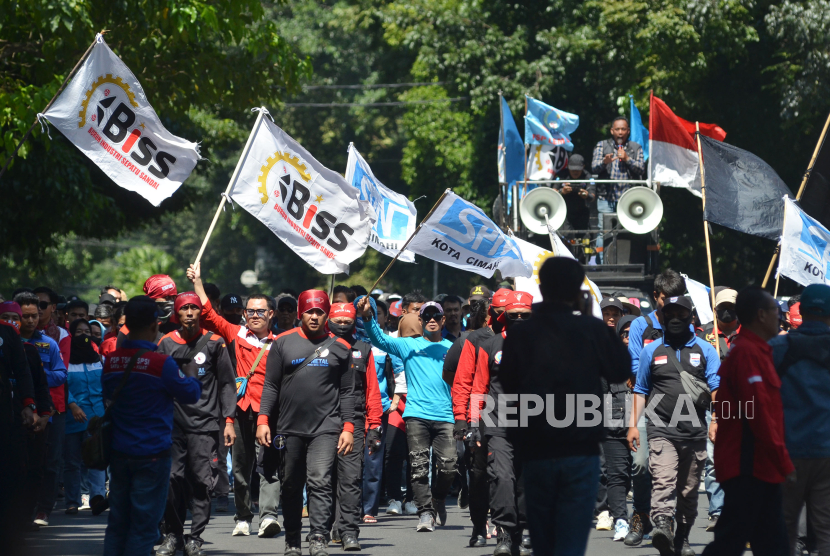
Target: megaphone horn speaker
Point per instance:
(538, 203)
(639, 210)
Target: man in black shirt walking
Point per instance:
(310, 386)
(196, 426)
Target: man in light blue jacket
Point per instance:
(802, 359)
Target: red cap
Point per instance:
(795, 315)
(158, 286)
(11, 307)
(395, 309)
(519, 300)
(343, 310)
(501, 298)
(185, 298)
(313, 299)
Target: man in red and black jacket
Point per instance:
(503, 469)
(368, 415)
(247, 343)
(459, 371)
(751, 457)
(196, 426)
(313, 410)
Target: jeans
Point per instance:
(73, 472)
(138, 494)
(395, 462)
(560, 503)
(308, 461)
(713, 490)
(618, 475)
(55, 436)
(373, 474)
(603, 207)
(752, 511)
(421, 435)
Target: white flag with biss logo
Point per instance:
(105, 113)
(309, 207)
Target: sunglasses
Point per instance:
(258, 312)
(43, 305)
(518, 316)
(624, 334)
(426, 317)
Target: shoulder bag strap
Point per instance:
(201, 344)
(124, 378)
(258, 359)
(320, 349)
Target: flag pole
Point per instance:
(402, 249)
(798, 198)
(706, 234)
(231, 183)
(503, 186)
(524, 189)
(331, 286)
(778, 274)
(650, 127)
(60, 90)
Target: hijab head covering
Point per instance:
(81, 349)
(410, 326)
(359, 325)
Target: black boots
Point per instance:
(681, 540)
(662, 538)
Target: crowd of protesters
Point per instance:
(335, 407)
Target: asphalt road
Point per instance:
(83, 535)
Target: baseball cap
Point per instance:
(287, 300)
(576, 162)
(727, 295)
(795, 315)
(480, 292)
(141, 311)
(680, 300)
(313, 299)
(231, 301)
(395, 309)
(436, 306)
(519, 300)
(501, 298)
(107, 298)
(158, 286)
(815, 300)
(185, 298)
(611, 302)
(783, 306)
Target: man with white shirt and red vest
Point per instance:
(507, 507)
(368, 414)
(196, 426)
(250, 344)
(309, 393)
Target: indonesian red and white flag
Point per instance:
(673, 146)
(105, 113)
(310, 208)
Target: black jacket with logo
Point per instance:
(214, 371)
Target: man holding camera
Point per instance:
(578, 196)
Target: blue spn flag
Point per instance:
(396, 214)
(639, 133)
(460, 235)
(545, 125)
(511, 149)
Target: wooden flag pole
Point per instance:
(778, 274)
(418, 229)
(524, 189)
(798, 198)
(60, 90)
(706, 234)
(239, 165)
(331, 286)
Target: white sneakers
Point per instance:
(605, 522)
(394, 508)
(268, 528)
(410, 509)
(620, 530)
(243, 528)
(84, 502)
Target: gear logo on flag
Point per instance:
(537, 265)
(118, 82)
(301, 169)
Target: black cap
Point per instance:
(287, 300)
(107, 298)
(231, 301)
(141, 311)
(680, 300)
(576, 162)
(611, 302)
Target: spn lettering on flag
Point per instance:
(105, 113)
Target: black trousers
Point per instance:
(617, 471)
(222, 482)
(349, 477)
(192, 477)
(421, 434)
(16, 502)
(395, 461)
(507, 496)
(752, 511)
(308, 461)
(479, 485)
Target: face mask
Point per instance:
(234, 319)
(341, 330)
(97, 341)
(165, 309)
(82, 342)
(676, 327)
(727, 315)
